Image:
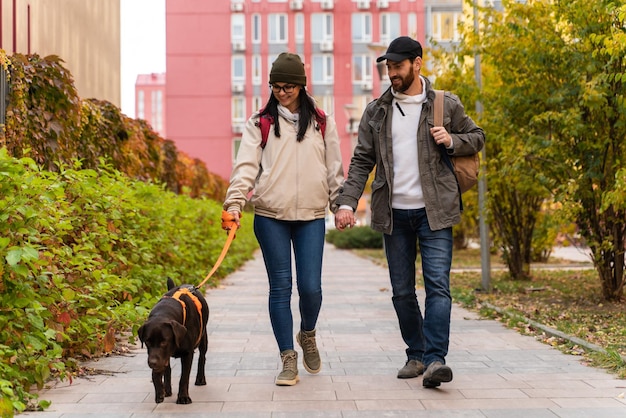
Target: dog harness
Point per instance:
(186, 291)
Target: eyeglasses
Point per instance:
(287, 88)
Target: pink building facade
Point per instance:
(150, 101)
(219, 54)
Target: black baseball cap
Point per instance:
(402, 48)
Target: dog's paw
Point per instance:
(200, 381)
(183, 400)
(159, 399)
(168, 393)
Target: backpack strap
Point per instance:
(438, 108)
(438, 121)
(320, 119)
(265, 123)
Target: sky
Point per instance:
(143, 45)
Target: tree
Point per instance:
(560, 96)
(516, 194)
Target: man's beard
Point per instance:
(406, 81)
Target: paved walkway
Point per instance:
(497, 372)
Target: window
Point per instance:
(321, 27)
(239, 109)
(412, 24)
(299, 27)
(361, 68)
(237, 27)
(389, 27)
(361, 27)
(277, 25)
(256, 70)
(157, 106)
(257, 103)
(141, 105)
(445, 25)
(256, 28)
(323, 69)
(236, 145)
(326, 103)
(239, 69)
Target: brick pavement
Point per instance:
(497, 372)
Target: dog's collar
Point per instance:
(186, 291)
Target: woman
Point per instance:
(295, 175)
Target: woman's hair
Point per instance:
(307, 112)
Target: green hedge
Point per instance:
(358, 237)
(84, 252)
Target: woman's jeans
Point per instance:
(276, 238)
(427, 338)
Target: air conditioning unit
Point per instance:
(237, 87)
(295, 5)
(326, 46)
(239, 46)
(367, 86)
(327, 4)
(382, 4)
(236, 6)
(363, 4)
(237, 128)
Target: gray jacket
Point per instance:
(374, 149)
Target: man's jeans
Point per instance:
(427, 338)
(276, 238)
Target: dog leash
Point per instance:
(231, 236)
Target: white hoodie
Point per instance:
(407, 185)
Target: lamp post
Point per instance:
(352, 125)
(485, 262)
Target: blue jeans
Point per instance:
(276, 239)
(428, 337)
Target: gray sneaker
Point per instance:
(289, 375)
(412, 368)
(310, 354)
(436, 374)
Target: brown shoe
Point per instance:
(436, 374)
(411, 369)
(289, 375)
(310, 354)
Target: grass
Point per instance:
(567, 299)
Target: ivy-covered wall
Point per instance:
(47, 121)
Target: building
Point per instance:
(219, 54)
(85, 34)
(150, 101)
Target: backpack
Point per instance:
(465, 168)
(266, 121)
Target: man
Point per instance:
(415, 200)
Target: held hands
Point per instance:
(441, 136)
(230, 220)
(344, 218)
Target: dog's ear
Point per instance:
(179, 331)
(170, 284)
(140, 332)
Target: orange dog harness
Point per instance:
(195, 300)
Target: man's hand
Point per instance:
(344, 218)
(441, 136)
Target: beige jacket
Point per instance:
(289, 180)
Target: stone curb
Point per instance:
(552, 332)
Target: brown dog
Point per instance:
(175, 327)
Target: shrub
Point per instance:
(84, 254)
(358, 237)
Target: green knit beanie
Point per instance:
(288, 68)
